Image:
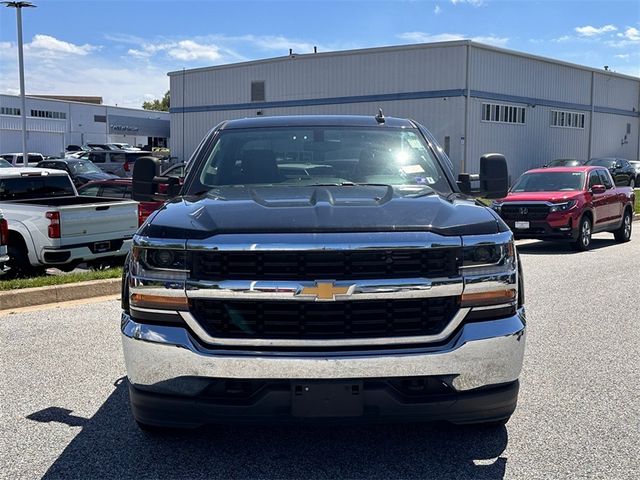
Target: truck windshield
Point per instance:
(30, 187)
(549, 182)
(308, 156)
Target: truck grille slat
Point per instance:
(324, 320)
(304, 265)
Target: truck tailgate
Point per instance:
(108, 220)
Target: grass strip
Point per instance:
(49, 280)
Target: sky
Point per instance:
(122, 50)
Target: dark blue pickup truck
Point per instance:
(322, 268)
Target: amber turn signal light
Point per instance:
(488, 298)
(157, 301)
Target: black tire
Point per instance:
(632, 182)
(18, 264)
(623, 234)
(585, 230)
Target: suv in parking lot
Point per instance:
(623, 173)
(322, 267)
(568, 203)
(116, 162)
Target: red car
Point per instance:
(568, 203)
(118, 188)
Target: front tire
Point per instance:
(623, 234)
(632, 183)
(585, 229)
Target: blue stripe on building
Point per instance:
(388, 97)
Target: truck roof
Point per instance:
(318, 120)
(24, 171)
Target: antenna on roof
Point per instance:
(380, 116)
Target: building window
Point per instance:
(564, 119)
(9, 111)
(48, 114)
(257, 92)
(494, 112)
(100, 118)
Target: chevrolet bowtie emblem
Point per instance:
(323, 291)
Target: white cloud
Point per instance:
(564, 38)
(624, 56)
(52, 44)
(437, 10)
(421, 37)
(47, 47)
(475, 3)
(631, 33)
(189, 50)
(591, 31)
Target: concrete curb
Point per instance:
(28, 297)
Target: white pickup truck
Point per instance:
(49, 225)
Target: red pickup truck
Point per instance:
(568, 203)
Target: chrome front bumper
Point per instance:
(169, 360)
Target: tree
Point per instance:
(162, 105)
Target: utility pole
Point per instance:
(23, 107)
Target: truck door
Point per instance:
(613, 211)
(598, 200)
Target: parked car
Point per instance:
(74, 148)
(621, 170)
(80, 171)
(4, 163)
(374, 288)
(175, 171)
(118, 188)
(50, 225)
(636, 165)
(563, 162)
(124, 146)
(15, 159)
(568, 203)
(117, 162)
(4, 241)
(101, 146)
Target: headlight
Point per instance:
(562, 207)
(159, 263)
(497, 206)
(157, 278)
(498, 257)
(490, 277)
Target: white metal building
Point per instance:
(54, 124)
(474, 98)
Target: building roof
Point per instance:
(72, 98)
(416, 46)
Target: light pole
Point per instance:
(23, 109)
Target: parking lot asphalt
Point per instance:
(65, 410)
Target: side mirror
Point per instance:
(598, 189)
(145, 180)
(494, 175)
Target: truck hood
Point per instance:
(319, 209)
(553, 197)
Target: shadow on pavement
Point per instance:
(110, 445)
(562, 248)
